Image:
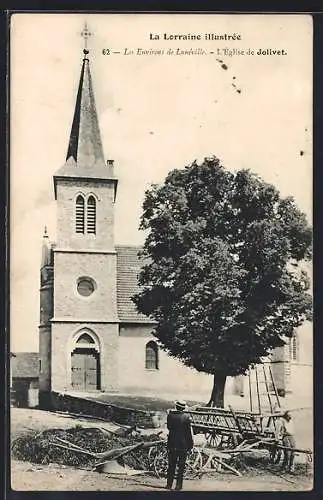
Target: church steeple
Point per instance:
(85, 144)
(85, 157)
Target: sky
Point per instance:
(156, 113)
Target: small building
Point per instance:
(24, 379)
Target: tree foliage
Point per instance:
(221, 272)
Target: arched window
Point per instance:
(91, 215)
(79, 214)
(151, 356)
(85, 338)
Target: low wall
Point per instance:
(83, 406)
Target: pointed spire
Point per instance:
(85, 144)
(85, 157)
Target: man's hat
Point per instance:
(180, 405)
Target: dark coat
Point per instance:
(180, 432)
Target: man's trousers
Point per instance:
(289, 455)
(176, 458)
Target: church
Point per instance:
(91, 338)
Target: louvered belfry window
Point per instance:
(91, 215)
(79, 214)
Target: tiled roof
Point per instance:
(25, 364)
(128, 267)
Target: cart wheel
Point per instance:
(275, 455)
(161, 463)
(213, 440)
(152, 452)
(194, 463)
(232, 441)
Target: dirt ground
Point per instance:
(26, 476)
(25, 419)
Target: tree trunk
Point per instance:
(217, 395)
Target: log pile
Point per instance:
(125, 450)
(85, 447)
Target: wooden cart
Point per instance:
(231, 433)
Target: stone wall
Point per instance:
(126, 416)
(171, 377)
(101, 305)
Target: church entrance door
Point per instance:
(85, 370)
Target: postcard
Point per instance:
(160, 252)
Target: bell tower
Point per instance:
(85, 326)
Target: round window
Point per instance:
(85, 286)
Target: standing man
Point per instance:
(180, 442)
(276, 427)
(285, 431)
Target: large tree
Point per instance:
(221, 272)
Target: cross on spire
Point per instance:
(86, 34)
